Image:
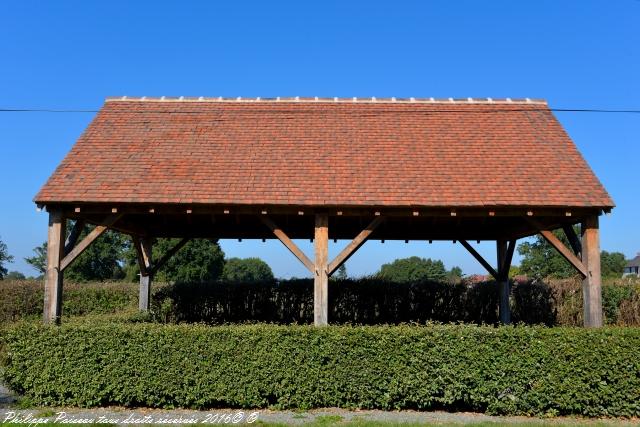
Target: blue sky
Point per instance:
(575, 54)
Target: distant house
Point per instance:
(632, 267)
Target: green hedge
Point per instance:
(20, 299)
(507, 370)
(364, 301)
(352, 301)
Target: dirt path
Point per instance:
(9, 413)
(323, 417)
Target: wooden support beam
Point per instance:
(73, 236)
(573, 238)
(505, 266)
(355, 244)
(321, 276)
(90, 238)
(564, 251)
(560, 247)
(505, 252)
(144, 249)
(282, 236)
(592, 282)
(80, 247)
(171, 252)
(481, 260)
(54, 276)
(144, 262)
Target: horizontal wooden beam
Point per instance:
(90, 238)
(354, 245)
(573, 213)
(282, 236)
(481, 260)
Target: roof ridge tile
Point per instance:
(316, 99)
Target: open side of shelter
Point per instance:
(322, 170)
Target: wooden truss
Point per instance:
(144, 224)
(321, 268)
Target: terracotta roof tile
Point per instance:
(391, 152)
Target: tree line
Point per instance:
(113, 257)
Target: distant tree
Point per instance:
(612, 264)
(102, 260)
(246, 270)
(4, 258)
(541, 260)
(413, 269)
(454, 275)
(200, 260)
(514, 271)
(14, 275)
(341, 273)
(39, 260)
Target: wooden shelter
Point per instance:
(322, 169)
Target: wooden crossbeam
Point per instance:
(573, 238)
(354, 245)
(481, 260)
(73, 236)
(171, 252)
(564, 251)
(560, 247)
(90, 238)
(282, 236)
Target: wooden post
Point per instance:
(503, 282)
(146, 247)
(320, 274)
(54, 276)
(591, 284)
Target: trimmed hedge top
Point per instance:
(506, 370)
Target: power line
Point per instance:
(43, 110)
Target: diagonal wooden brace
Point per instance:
(573, 238)
(295, 250)
(171, 252)
(91, 237)
(73, 236)
(481, 260)
(354, 245)
(560, 247)
(144, 262)
(505, 266)
(564, 251)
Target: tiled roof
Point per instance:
(326, 151)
